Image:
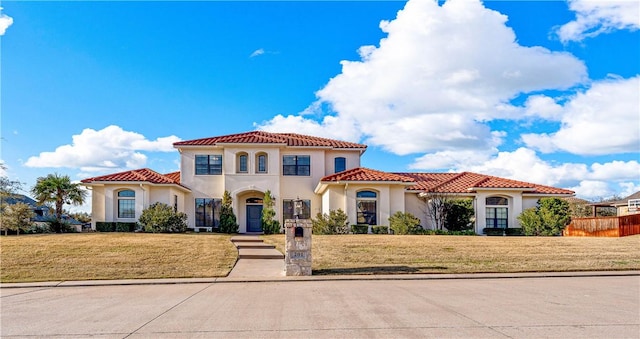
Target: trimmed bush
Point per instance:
(359, 229)
(333, 223)
(162, 218)
(126, 226)
(513, 231)
(404, 223)
(380, 229)
(493, 231)
(103, 226)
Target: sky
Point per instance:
(541, 91)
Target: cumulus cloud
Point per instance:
(597, 17)
(602, 120)
(440, 74)
(5, 22)
(110, 148)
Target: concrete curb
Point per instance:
(88, 283)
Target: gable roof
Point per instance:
(261, 137)
(138, 175)
(625, 201)
(451, 183)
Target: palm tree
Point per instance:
(58, 190)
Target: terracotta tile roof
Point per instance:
(366, 174)
(139, 175)
(175, 176)
(261, 137)
(466, 182)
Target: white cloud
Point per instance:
(5, 22)
(602, 120)
(257, 52)
(597, 17)
(440, 73)
(110, 148)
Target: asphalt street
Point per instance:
(525, 307)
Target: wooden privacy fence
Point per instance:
(604, 226)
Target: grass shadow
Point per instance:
(372, 270)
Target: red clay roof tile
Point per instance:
(366, 174)
(139, 175)
(261, 137)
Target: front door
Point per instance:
(254, 217)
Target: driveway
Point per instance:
(531, 307)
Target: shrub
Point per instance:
(162, 218)
(493, 231)
(16, 217)
(269, 224)
(333, 223)
(125, 226)
(359, 229)
(404, 223)
(550, 217)
(228, 221)
(380, 230)
(59, 225)
(459, 214)
(513, 231)
(103, 226)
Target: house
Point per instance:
(41, 213)
(324, 174)
(627, 206)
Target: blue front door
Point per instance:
(254, 217)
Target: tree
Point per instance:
(82, 217)
(436, 208)
(447, 212)
(162, 218)
(8, 189)
(228, 221)
(333, 223)
(58, 190)
(404, 223)
(269, 224)
(549, 217)
(459, 214)
(16, 217)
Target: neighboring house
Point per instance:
(324, 174)
(41, 213)
(628, 205)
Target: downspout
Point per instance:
(143, 196)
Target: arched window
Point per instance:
(127, 204)
(366, 205)
(261, 162)
(497, 212)
(242, 160)
(339, 164)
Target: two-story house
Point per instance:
(325, 174)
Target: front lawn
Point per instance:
(51, 257)
(385, 254)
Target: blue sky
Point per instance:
(541, 91)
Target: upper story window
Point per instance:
(208, 164)
(261, 163)
(242, 163)
(339, 164)
(127, 204)
(296, 165)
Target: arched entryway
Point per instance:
(254, 214)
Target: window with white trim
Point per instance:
(366, 206)
(497, 212)
(209, 164)
(127, 204)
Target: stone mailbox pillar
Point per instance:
(297, 257)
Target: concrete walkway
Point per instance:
(256, 259)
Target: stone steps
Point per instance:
(252, 247)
